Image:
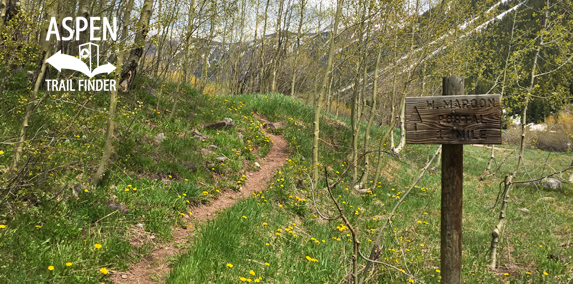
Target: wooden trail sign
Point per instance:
(453, 119)
(470, 119)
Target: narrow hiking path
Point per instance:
(155, 267)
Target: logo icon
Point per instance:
(86, 51)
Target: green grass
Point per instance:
(173, 175)
(158, 182)
(411, 243)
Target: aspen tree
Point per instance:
(46, 47)
(320, 97)
(125, 77)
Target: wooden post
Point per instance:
(452, 188)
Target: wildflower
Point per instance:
(421, 245)
(229, 265)
(506, 274)
(68, 264)
(50, 268)
(528, 273)
(85, 190)
(267, 244)
(411, 280)
(97, 246)
(252, 272)
(2, 226)
(38, 226)
(103, 270)
(265, 223)
(244, 217)
(545, 273)
(1, 152)
(242, 278)
(267, 264)
(437, 270)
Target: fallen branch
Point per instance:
(542, 178)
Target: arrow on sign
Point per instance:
(63, 61)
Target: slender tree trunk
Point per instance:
(190, 30)
(356, 94)
(159, 45)
(206, 54)
(262, 88)
(508, 180)
(130, 66)
(278, 43)
(108, 144)
(327, 71)
(295, 68)
(370, 121)
(3, 7)
(393, 107)
(252, 63)
(491, 157)
(402, 143)
(46, 46)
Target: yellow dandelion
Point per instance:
(68, 264)
(252, 272)
(242, 278)
(103, 270)
(545, 273)
(50, 268)
(2, 226)
(229, 265)
(97, 246)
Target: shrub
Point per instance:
(557, 136)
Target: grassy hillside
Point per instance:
(282, 231)
(275, 236)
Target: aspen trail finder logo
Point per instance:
(87, 61)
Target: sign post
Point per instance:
(453, 119)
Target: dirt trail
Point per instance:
(154, 268)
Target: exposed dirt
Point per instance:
(155, 267)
